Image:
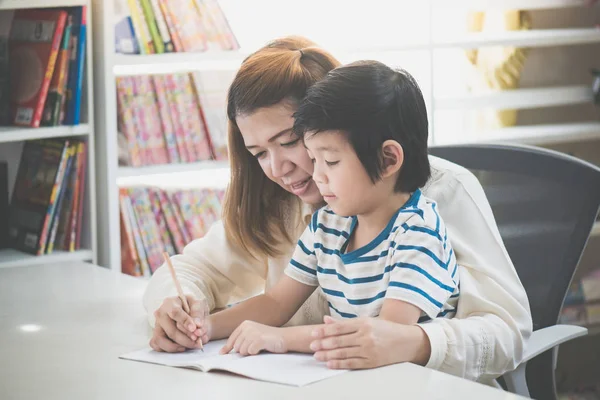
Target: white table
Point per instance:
(62, 328)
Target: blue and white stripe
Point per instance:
(410, 260)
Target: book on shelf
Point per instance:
(41, 74)
(33, 48)
(154, 220)
(211, 88)
(58, 84)
(162, 26)
(45, 208)
(125, 41)
(6, 18)
(165, 119)
(72, 106)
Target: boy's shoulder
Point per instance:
(420, 212)
(328, 218)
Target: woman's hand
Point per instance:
(175, 330)
(368, 343)
(251, 338)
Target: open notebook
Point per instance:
(289, 369)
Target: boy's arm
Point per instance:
(423, 273)
(273, 308)
(400, 312)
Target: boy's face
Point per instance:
(339, 174)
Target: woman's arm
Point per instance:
(493, 321)
(212, 273)
(209, 268)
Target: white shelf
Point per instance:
(15, 4)
(16, 134)
(509, 4)
(519, 98)
(530, 38)
(126, 172)
(125, 64)
(179, 62)
(14, 258)
(531, 134)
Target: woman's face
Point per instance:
(268, 135)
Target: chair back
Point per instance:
(545, 204)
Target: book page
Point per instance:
(290, 369)
(204, 361)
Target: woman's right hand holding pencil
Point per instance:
(175, 330)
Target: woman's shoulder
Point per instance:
(448, 177)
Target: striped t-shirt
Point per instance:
(410, 260)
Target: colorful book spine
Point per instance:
(130, 261)
(161, 23)
(71, 153)
(149, 124)
(184, 15)
(51, 114)
(160, 221)
(168, 129)
(230, 42)
(186, 148)
(177, 45)
(141, 29)
(179, 217)
(196, 126)
(35, 39)
(210, 89)
(148, 228)
(126, 120)
(82, 177)
(70, 241)
(213, 37)
(76, 65)
(137, 237)
(64, 224)
(173, 224)
(52, 206)
(125, 39)
(159, 46)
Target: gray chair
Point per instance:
(545, 204)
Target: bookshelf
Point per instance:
(110, 65)
(12, 139)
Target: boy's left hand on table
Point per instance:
(251, 338)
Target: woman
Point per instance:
(270, 196)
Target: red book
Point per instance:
(33, 48)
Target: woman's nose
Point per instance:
(280, 166)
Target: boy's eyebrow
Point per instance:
(275, 137)
(327, 148)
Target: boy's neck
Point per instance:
(371, 224)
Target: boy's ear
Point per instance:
(393, 157)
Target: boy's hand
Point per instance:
(251, 338)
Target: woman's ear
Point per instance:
(393, 157)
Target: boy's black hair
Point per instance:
(371, 103)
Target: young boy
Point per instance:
(365, 127)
